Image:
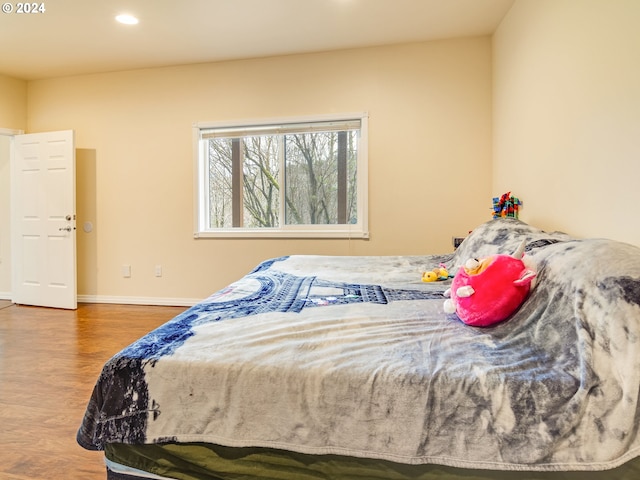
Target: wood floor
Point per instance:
(49, 362)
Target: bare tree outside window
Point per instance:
(312, 166)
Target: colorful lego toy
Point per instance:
(506, 206)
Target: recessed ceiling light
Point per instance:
(127, 19)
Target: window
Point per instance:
(282, 178)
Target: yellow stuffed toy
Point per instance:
(438, 273)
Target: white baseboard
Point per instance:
(166, 302)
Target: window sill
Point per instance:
(284, 233)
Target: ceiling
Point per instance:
(73, 37)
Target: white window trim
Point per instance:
(351, 231)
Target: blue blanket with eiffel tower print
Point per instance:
(355, 356)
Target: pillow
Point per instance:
(502, 236)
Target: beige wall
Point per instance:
(13, 103)
(429, 110)
(567, 114)
(13, 116)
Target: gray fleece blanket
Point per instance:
(355, 356)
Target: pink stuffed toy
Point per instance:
(487, 291)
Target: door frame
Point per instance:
(6, 261)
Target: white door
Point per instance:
(43, 220)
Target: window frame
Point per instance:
(201, 178)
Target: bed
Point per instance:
(322, 367)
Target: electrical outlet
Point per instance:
(457, 241)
